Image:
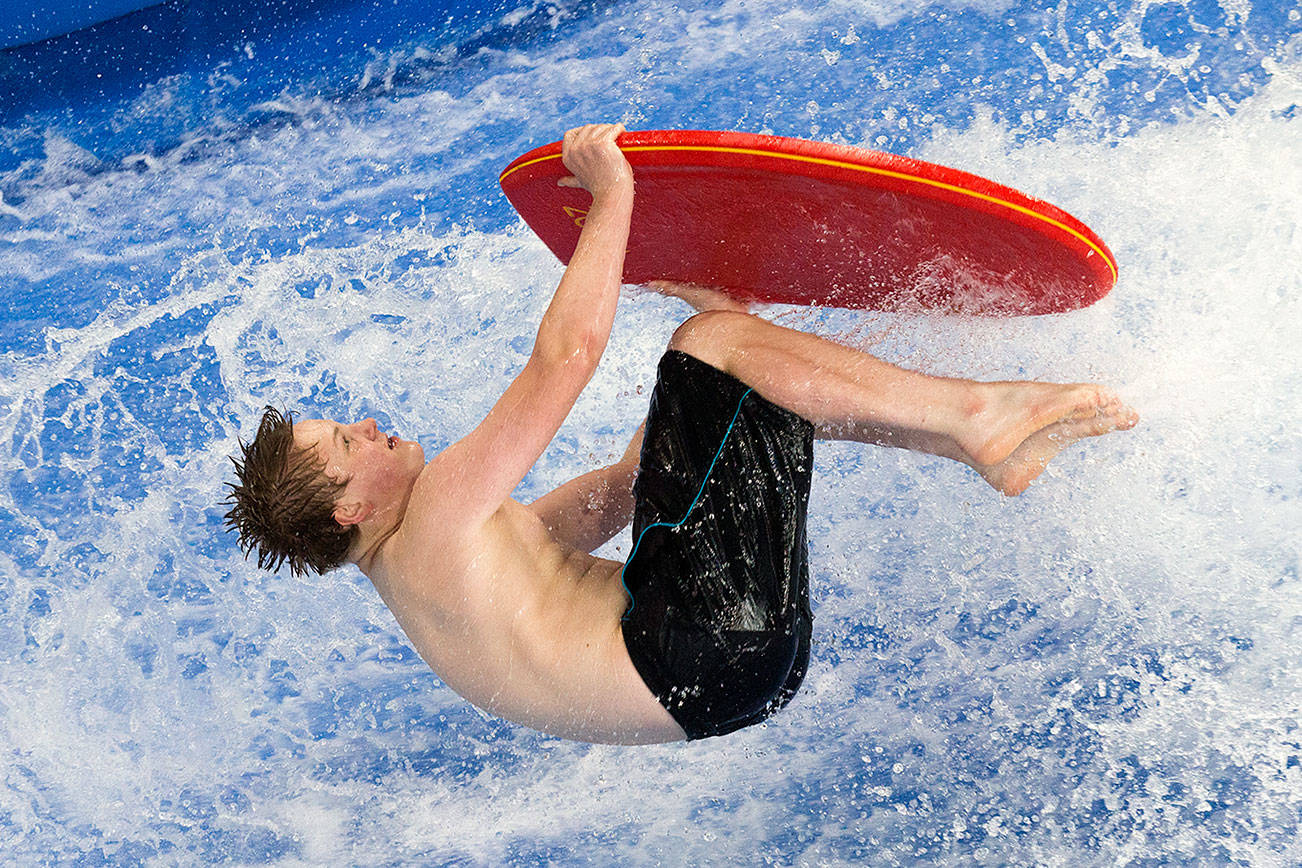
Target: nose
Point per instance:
(369, 428)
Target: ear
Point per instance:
(351, 513)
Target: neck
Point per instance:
(374, 533)
(377, 529)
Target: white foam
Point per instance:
(1147, 562)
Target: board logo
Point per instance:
(578, 215)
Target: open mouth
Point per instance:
(393, 441)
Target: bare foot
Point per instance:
(700, 297)
(1005, 415)
(1014, 474)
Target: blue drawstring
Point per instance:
(699, 492)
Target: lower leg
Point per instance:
(705, 298)
(1015, 473)
(1002, 430)
(847, 394)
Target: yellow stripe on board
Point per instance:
(858, 168)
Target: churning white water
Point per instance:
(1102, 671)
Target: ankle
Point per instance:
(972, 422)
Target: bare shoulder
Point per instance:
(428, 572)
(440, 490)
(438, 538)
(441, 524)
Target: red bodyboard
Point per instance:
(778, 220)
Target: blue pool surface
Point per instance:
(29, 21)
(209, 208)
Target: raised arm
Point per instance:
(475, 475)
(583, 309)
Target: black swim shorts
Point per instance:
(719, 620)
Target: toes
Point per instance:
(1088, 400)
(1100, 401)
(1104, 423)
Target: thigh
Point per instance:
(719, 621)
(721, 499)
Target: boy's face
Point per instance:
(377, 470)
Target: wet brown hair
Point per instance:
(283, 504)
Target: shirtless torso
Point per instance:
(502, 599)
(522, 626)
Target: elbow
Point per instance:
(574, 352)
(574, 355)
(592, 347)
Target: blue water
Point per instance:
(205, 210)
(29, 21)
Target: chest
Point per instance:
(506, 598)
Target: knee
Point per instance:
(710, 336)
